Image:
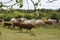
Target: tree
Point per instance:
(28, 5)
(35, 8)
(34, 4)
(20, 3)
(10, 9)
(0, 5)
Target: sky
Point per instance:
(44, 4)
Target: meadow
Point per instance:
(45, 32)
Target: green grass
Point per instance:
(40, 33)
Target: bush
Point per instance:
(59, 15)
(18, 16)
(54, 16)
(8, 16)
(28, 16)
(40, 15)
(1, 16)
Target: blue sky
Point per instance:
(44, 4)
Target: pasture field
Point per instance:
(39, 33)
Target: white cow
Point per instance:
(39, 22)
(22, 19)
(13, 20)
(29, 21)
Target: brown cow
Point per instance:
(5, 23)
(23, 25)
(49, 22)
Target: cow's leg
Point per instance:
(13, 27)
(30, 30)
(20, 30)
(8, 26)
(26, 30)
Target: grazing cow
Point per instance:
(39, 22)
(14, 22)
(23, 24)
(22, 19)
(7, 24)
(26, 26)
(29, 21)
(36, 22)
(50, 22)
(1, 21)
(54, 21)
(59, 21)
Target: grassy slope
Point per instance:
(39, 34)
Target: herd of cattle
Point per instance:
(25, 23)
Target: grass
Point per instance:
(40, 33)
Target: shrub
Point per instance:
(8, 17)
(40, 15)
(54, 16)
(28, 16)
